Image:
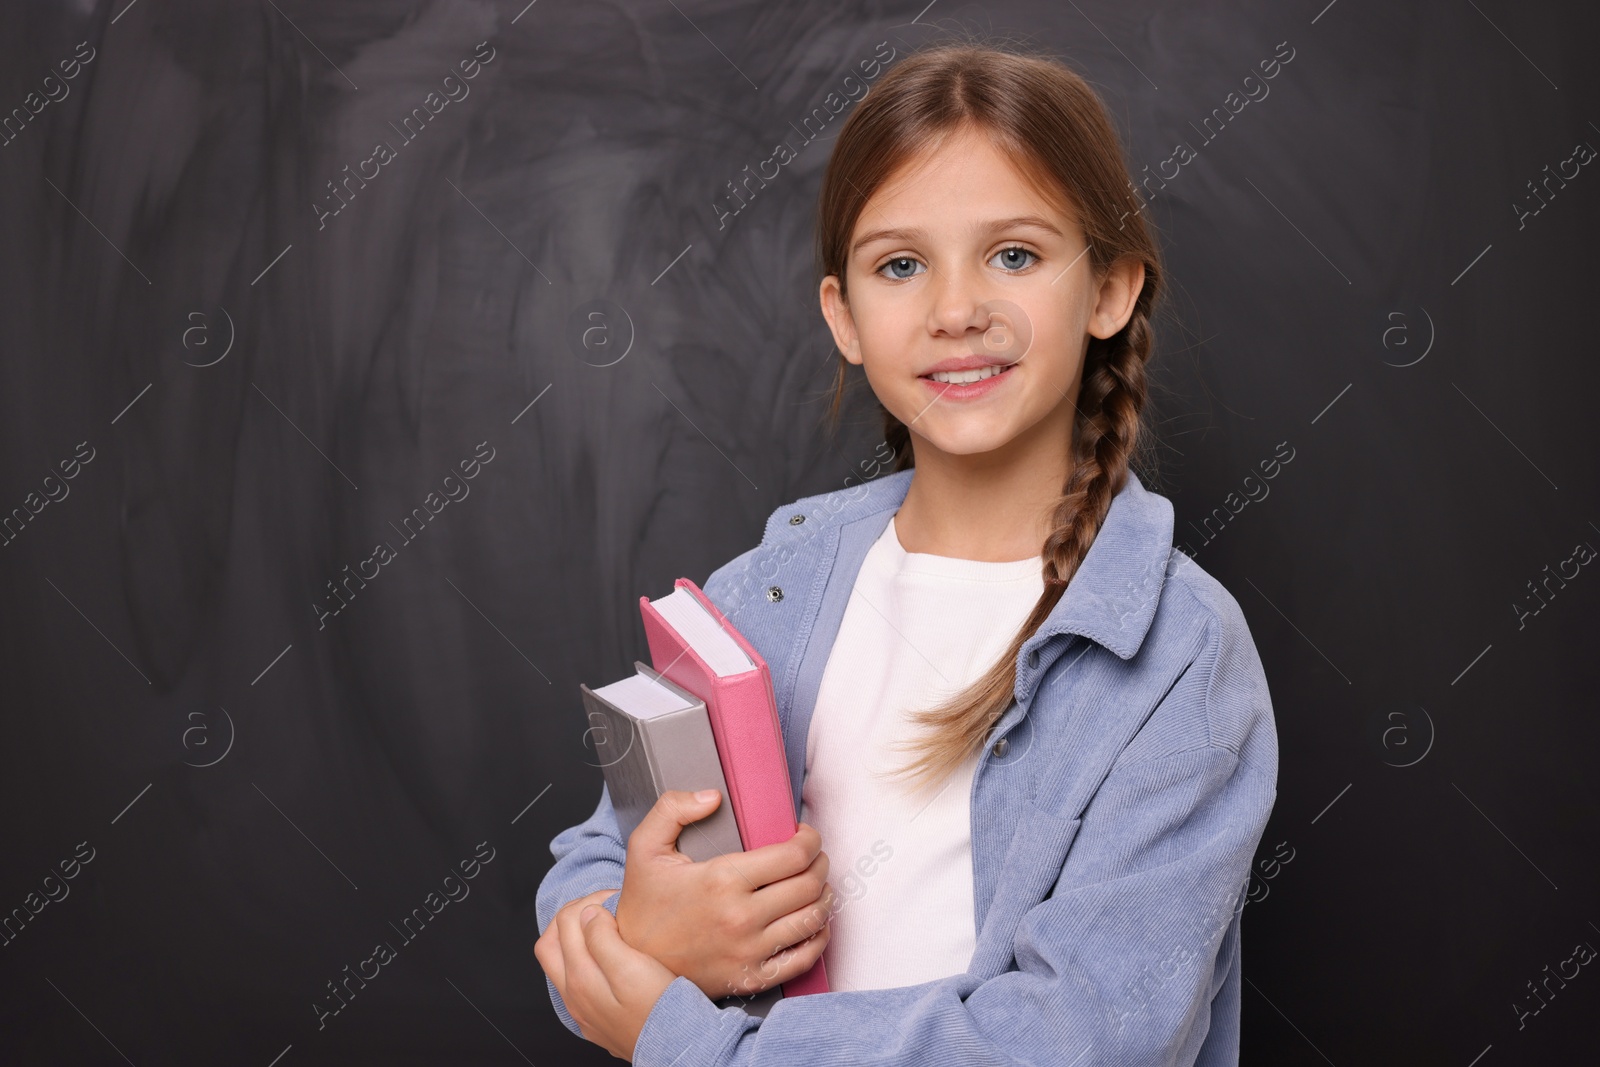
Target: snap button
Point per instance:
(1033, 657)
(796, 520)
(1002, 746)
(774, 593)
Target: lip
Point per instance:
(970, 390)
(959, 363)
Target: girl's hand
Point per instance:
(735, 924)
(547, 950)
(608, 988)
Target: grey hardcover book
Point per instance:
(651, 736)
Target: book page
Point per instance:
(701, 631)
(641, 697)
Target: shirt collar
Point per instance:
(1112, 598)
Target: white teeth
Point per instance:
(966, 377)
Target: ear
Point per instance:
(1119, 291)
(840, 321)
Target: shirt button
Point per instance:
(1033, 658)
(774, 593)
(796, 520)
(1002, 746)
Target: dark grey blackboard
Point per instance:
(253, 780)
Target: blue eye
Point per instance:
(1010, 257)
(897, 262)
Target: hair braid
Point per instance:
(1113, 392)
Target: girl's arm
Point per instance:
(1130, 958)
(733, 925)
(592, 855)
(1117, 969)
(589, 857)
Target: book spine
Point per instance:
(760, 786)
(620, 752)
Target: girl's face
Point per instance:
(958, 267)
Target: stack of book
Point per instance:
(702, 717)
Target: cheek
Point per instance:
(889, 330)
(894, 346)
(895, 386)
(1056, 354)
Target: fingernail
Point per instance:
(586, 916)
(705, 795)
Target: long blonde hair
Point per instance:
(1049, 120)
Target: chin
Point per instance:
(968, 444)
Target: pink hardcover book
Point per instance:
(696, 647)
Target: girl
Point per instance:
(1056, 874)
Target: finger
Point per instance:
(797, 925)
(547, 950)
(794, 961)
(657, 833)
(782, 859)
(583, 974)
(549, 943)
(599, 896)
(634, 980)
(622, 965)
(605, 944)
(789, 894)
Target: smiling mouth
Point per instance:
(968, 377)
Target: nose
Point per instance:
(957, 304)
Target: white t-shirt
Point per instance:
(917, 629)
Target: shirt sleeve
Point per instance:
(1120, 963)
(589, 857)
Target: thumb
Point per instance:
(657, 833)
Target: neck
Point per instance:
(990, 506)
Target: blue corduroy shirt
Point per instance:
(1115, 815)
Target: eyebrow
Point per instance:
(1037, 222)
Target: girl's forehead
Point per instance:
(970, 195)
(953, 154)
(965, 176)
